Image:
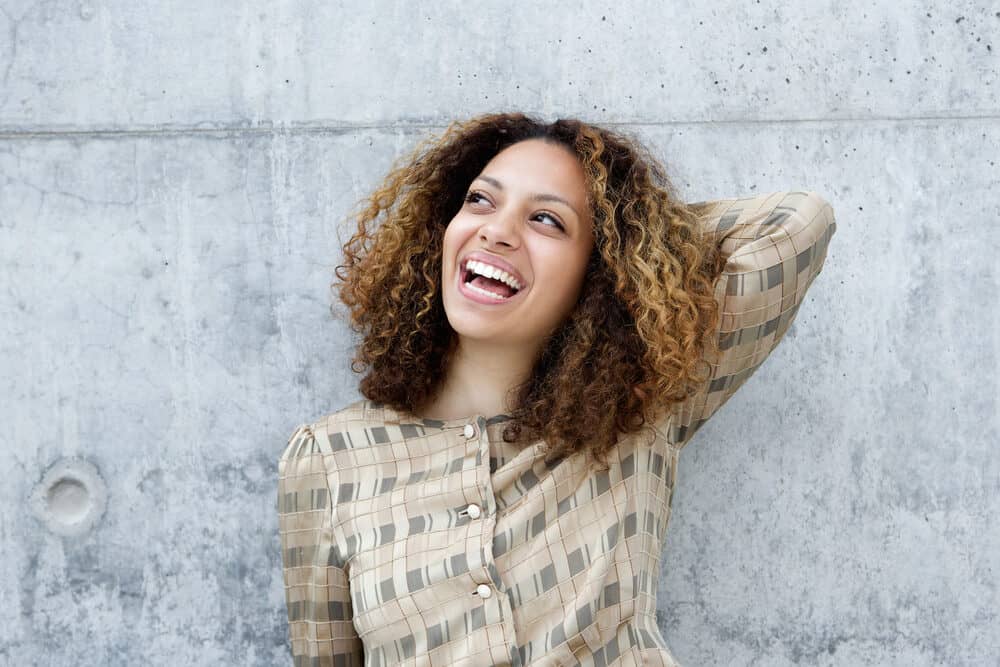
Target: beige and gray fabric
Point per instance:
(410, 541)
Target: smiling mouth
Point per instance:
(489, 281)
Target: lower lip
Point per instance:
(473, 295)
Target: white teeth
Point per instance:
(492, 272)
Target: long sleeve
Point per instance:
(320, 613)
(774, 246)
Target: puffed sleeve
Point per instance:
(774, 246)
(320, 615)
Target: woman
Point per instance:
(544, 325)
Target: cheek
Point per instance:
(455, 237)
(456, 229)
(563, 286)
(576, 285)
(449, 243)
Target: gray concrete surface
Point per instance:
(173, 183)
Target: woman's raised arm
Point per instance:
(320, 614)
(775, 245)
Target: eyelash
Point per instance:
(470, 198)
(473, 194)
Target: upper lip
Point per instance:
(493, 261)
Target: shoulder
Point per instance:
(362, 423)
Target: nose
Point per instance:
(501, 229)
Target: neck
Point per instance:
(479, 377)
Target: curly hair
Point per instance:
(634, 344)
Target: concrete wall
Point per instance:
(173, 183)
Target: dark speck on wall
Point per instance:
(302, 379)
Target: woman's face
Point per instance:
(526, 214)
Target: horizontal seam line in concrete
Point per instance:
(340, 128)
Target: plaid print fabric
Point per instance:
(426, 542)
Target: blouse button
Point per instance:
(470, 431)
(473, 511)
(484, 591)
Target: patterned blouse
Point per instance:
(426, 542)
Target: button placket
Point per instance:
(472, 510)
(475, 433)
(486, 513)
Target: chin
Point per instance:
(474, 328)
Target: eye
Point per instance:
(474, 196)
(558, 224)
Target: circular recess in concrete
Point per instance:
(70, 498)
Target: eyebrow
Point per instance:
(535, 197)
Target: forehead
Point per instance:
(535, 163)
